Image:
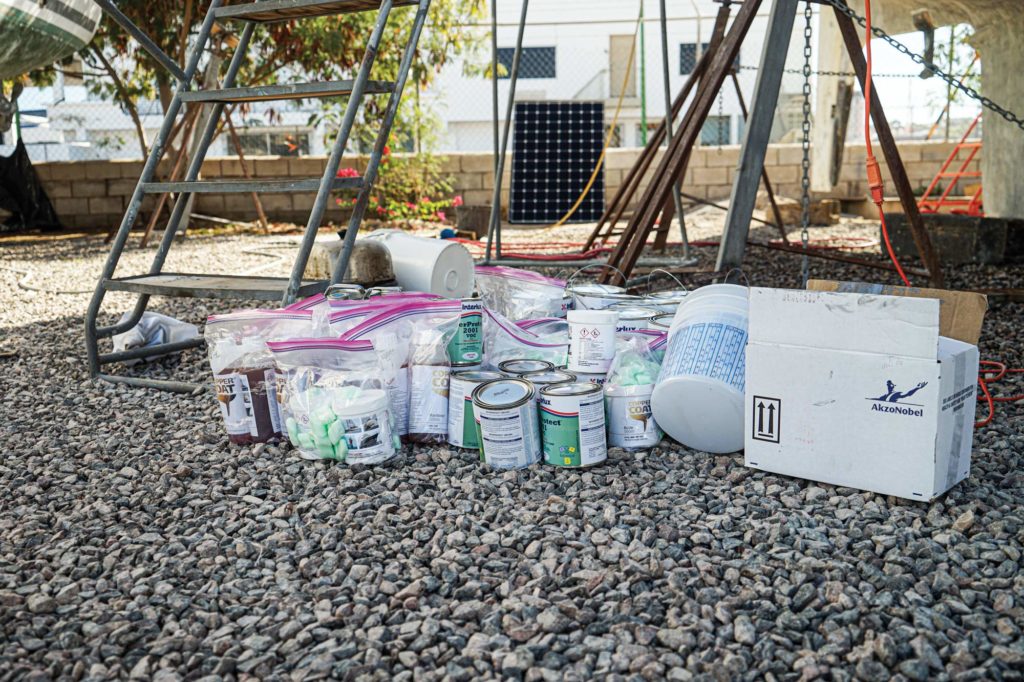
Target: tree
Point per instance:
(322, 48)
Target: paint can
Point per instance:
(467, 346)
(461, 422)
(549, 377)
(663, 322)
(572, 425)
(591, 340)
(345, 292)
(633, 317)
(524, 366)
(597, 378)
(592, 296)
(507, 426)
(666, 301)
(698, 397)
(631, 423)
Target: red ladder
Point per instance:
(969, 206)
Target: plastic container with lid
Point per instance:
(698, 398)
(591, 340)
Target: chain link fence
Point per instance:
(565, 58)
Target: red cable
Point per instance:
(874, 172)
(1000, 370)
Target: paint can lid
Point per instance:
(577, 388)
(502, 393)
(477, 376)
(524, 366)
(550, 376)
(593, 316)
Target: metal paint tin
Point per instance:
(467, 346)
(548, 377)
(507, 426)
(572, 425)
(461, 422)
(524, 366)
(597, 379)
(591, 296)
(631, 424)
(633, 317)
(345, 292)
(663, 322)
(666, 301)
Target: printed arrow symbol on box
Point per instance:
(771, 420)
(760, 417)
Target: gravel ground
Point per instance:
(136, 542)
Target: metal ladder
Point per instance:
(159, 283)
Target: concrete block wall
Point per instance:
(89, 194)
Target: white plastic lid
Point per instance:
(368, 400)
(593, 316)
(634, 312)
(701, 413)
(597, 289)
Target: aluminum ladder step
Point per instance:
(266, 93)
(274, 186)
(212, 286)
(283, 10)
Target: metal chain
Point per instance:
(918, 59)
(805, 164)
(837, 74)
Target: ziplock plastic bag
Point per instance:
(244, 373)
(336, 403)
(627, 396)
(520, 294)
(546, 326)
(655, 341)
(391, 332)
(309, 303)
(153, 329)
(505, 341)
(429, 375)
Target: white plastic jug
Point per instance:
(436, 266)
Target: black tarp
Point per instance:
(23, 195)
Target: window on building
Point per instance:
(274, 143)
(535, 62)
(688, 58)
(716, 131)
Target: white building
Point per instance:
(579, 49)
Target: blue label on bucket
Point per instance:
(712, 349)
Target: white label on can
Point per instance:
(591, 347)
(573, 429)
(235, 400)
(428, 399)
(368, 437)
(273, 406)
(397, 388)
(712, 349)
(511, 436)
(630, 421)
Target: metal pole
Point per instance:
(755, 139)
(643, 81)
(677, 199)
(494, 229)
(378, 153)
(494, 79)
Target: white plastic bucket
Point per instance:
(698, 398)
(436, 266)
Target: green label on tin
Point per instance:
(470, 437)
(560, 435)
(468, 343)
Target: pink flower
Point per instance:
(409, 204)
(457, 201)
(441, 216)
(348, 173)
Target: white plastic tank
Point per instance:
(435, 266)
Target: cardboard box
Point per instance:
(858, 390)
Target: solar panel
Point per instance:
(555, 148)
